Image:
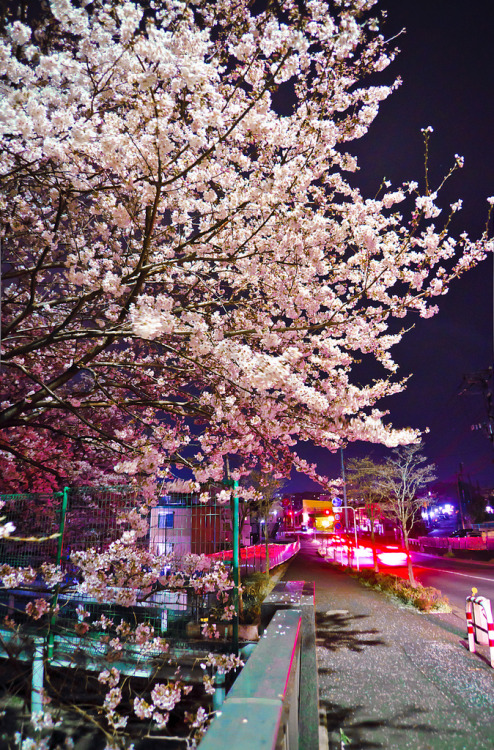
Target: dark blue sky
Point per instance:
(447, 67)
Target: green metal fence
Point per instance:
(38, 520)
(50, 527)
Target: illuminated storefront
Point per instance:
(318, 514)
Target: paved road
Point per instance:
(454, 578)
(391, 678)
(445, 527)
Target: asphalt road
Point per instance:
(455, 578)
(445, 527)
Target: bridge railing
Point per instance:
(262, 708)
(274, 703)
(253, 558)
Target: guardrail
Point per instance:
(443, 542)
(262, 708)
(253, 558)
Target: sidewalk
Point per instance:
(390, 677)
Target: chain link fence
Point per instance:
(49, 527)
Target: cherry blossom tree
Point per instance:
(186, 271)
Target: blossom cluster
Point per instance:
(125, 573)
(190, 273)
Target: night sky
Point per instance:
(447, 67)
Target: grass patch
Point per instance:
(423, 598)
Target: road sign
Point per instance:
(338, 526)
(337, 516)
(337, 502)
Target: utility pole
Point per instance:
(350, 507)
(344, 488)
(233, 483)
(461, 495)
(1, 261)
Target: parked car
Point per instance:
(459, 533)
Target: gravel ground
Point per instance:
(390, 677)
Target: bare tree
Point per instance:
(363, 485)
(402, 477)
(266, 488)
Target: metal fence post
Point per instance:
(58, 561)
(37, 677)
(61, 529)
(236, 571)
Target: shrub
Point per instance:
(255, 589)
(423, 598)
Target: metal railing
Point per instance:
(262, 708)
(253, 558)
(467, 542)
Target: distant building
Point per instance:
(182, 525)
(311, 509)
(318, 513)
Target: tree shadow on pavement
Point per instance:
(337, 630)
(360, 733)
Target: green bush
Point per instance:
(255, 589)
(424, 598)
